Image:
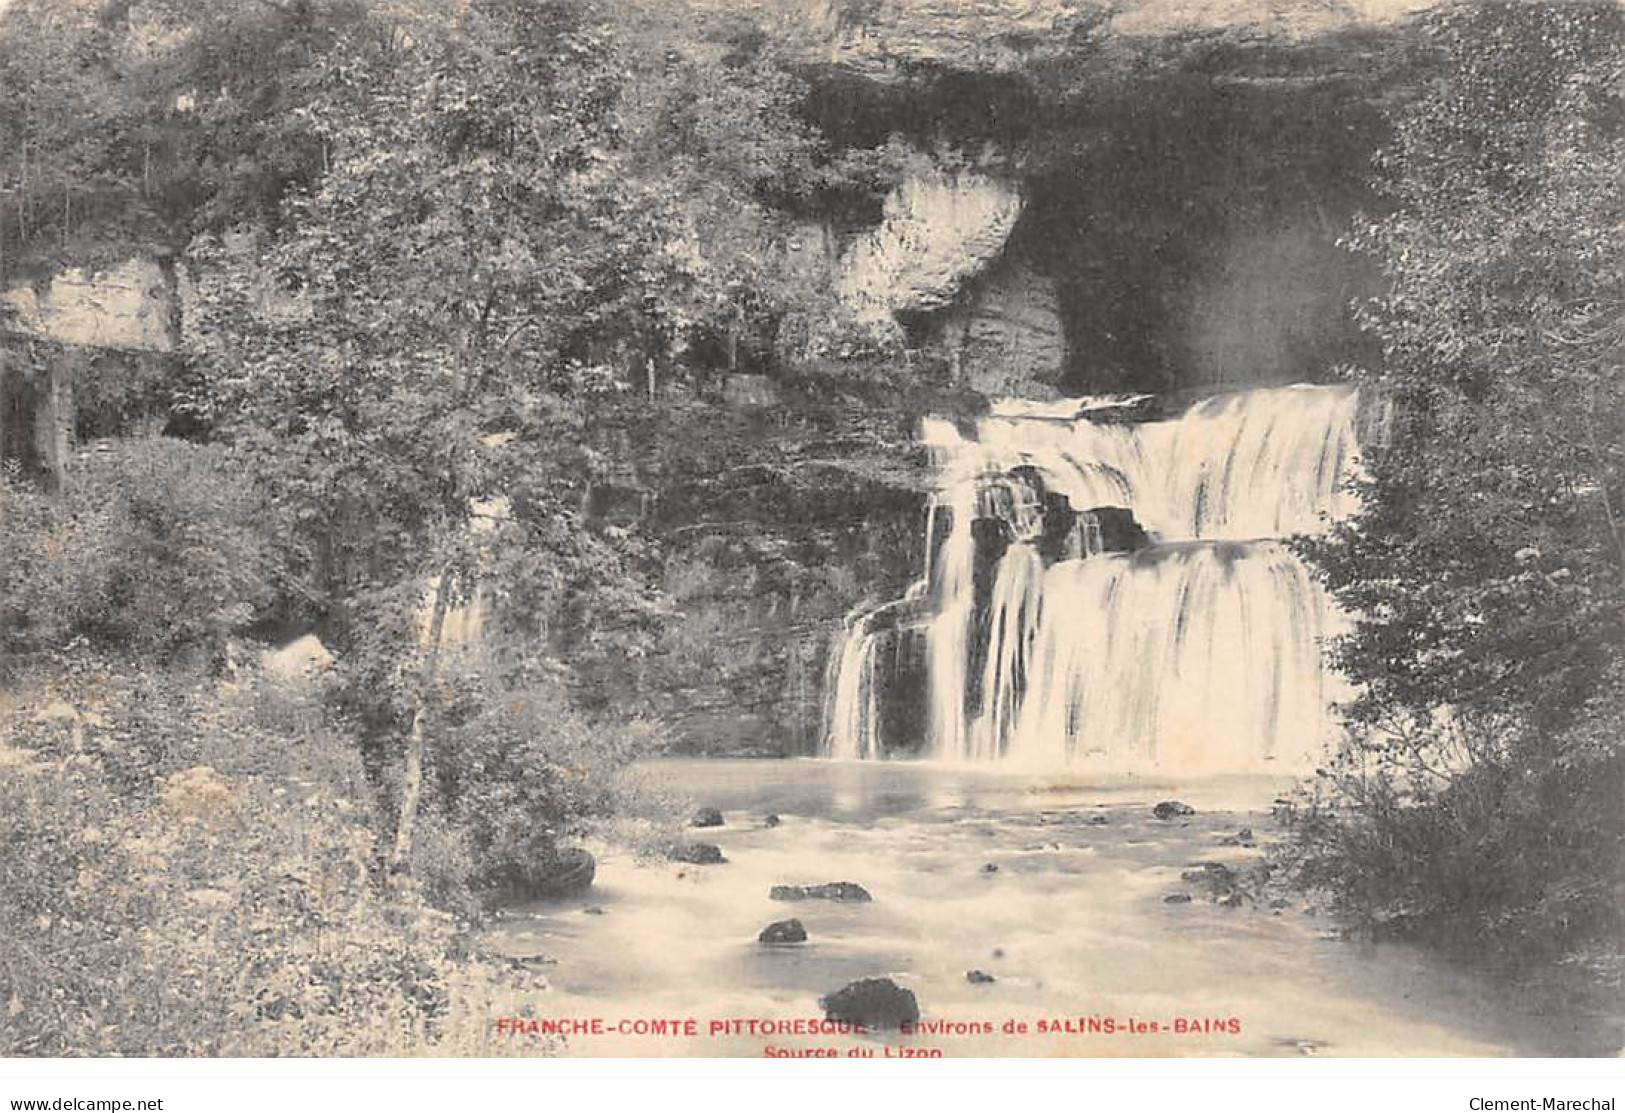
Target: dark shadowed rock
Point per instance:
(696, 853)
(771, 820)
(1170, 809)
(873, 1003)
(1116, 528)
(783, 931)
(1177, 898)
(979, 977)
(1211, 874)
(568, 874)
(990, 867)
(706, 817)
(1218, 880)
(1098, 821)
(846, 891)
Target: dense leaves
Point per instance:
(157, 549)
(1480, 796)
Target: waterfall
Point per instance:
(1117, 593)
(852, 718)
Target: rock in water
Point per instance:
(696, 853)
(979, 977)
(1169, 809)
(706, 817)
(873, 1003)
(783, 931)
(1219, 880)
(846, 891)
(569, 873)
(1215, 875)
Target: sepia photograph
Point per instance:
(812, 529)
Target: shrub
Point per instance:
(156, 546)
(520, 772)
(220, 899)
(1467, 835)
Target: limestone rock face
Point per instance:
(990, 36)
(890, 40)
(937, 231)
(132, 306)
(1005, 336)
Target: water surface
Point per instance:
(1072, 924)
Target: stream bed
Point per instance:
(1067, 892)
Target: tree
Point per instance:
(450, 288)
(1478, 798)
(427, 355)
(130, 126)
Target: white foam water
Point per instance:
(1199, 652)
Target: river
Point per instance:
(1072, 925)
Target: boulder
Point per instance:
(783, 931)
(979, 977)
(873, 1003)
(771, 820)
(696, 853)
(1170, 809)
(848, 892)
(1115, 529)
(706, 817)
(990, 867)
(1214, 875)
(569, 874)
(1177, 898)
(1218, 880)
(298, 661)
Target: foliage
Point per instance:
(212, 894)
(138, 124)
(1479, 797)
(521, 772)
(155, 547)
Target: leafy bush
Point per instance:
(156, 546)
(223, 901)
(520, 773)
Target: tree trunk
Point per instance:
(412, 788)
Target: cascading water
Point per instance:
(1117, 593)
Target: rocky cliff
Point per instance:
(895, 40)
